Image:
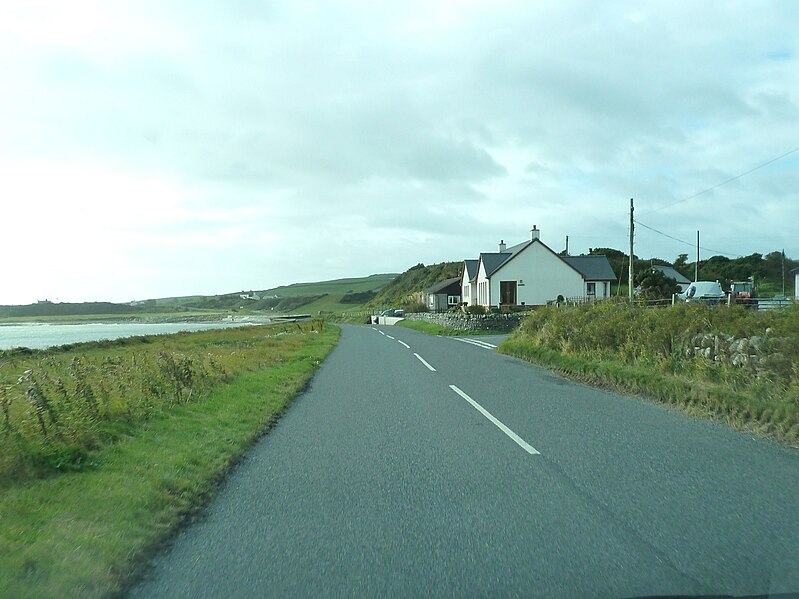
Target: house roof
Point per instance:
(471, 269)
(593, 268)
(671, 273)
(493, 260)
(441, 286)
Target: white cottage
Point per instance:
(531, 274)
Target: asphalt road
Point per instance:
(384, 480)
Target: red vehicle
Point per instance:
(743, 292)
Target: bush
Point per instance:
(414, 307)
(475, 309)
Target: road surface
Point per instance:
(432, 466)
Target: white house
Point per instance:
(795, 272)
(531, 274)
(469, 281)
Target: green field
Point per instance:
(108, 446)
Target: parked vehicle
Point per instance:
(709, 292)
(743, 292)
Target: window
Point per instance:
(453, 299)
(590, 289)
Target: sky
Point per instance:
(165, 148)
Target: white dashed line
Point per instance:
(483, 344)
(389, 337)
(382, 333)
(519, 441)
(403, 343)
(423, 361)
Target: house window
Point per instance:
(453, 299)
(590, 289)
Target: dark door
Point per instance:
(507, 292)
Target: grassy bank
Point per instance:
(83, 530)
(655, 353)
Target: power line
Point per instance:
(730, 180)
(688, 243)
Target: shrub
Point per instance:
(415, 307)
(476, 309)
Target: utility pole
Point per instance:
(630, 273)
(696, 269)
(783, 272)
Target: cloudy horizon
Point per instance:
(155, 149)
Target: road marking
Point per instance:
(374, 328)
(403, 343)
(382, 333)
(389, 336)
(519, 441)
(423, 361)
(483, 344)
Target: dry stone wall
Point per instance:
(503, 323)
(756, 352)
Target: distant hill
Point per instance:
(338, 295)
(67, 309)
(400, 292)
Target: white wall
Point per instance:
(544, 274)
(466, 287)
(482, 297)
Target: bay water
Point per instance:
(43, 335)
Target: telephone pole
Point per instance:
(696, 269)
(630, 273)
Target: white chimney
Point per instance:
(501, 245)
(535, 233)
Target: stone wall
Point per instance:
(756, 352)
(502, 323)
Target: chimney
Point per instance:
(535, 233)
(502, 245)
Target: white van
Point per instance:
(709, 292)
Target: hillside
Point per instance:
(338, 295)
(401, 290)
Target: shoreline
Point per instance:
(165, 319)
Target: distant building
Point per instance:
(442, 296)
(531, 274)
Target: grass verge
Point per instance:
(432, 328)
(87, 533)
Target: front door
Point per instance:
(507, 292)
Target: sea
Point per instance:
(43, 335)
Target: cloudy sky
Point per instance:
(151, 149)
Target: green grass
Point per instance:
(87, 533)
(650, 352)
(432, 328)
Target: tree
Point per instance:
(654, 285)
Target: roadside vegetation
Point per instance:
(729, 363)
(106, 447)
